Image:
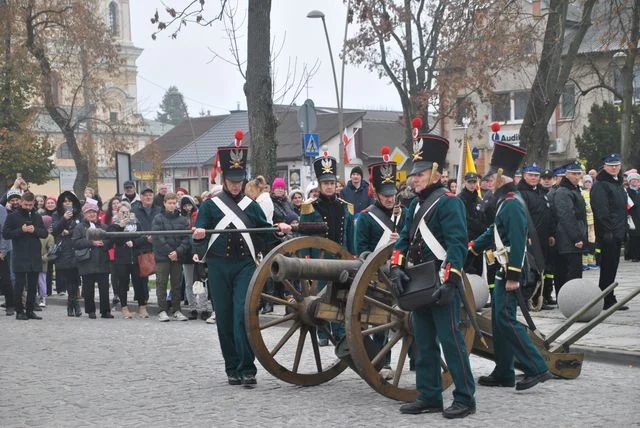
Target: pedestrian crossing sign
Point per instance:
(311, 145)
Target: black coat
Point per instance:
(570, 212)
(27, 256)
(283, 210)
(165, 244)
(66, 256)
(476, 224)
(609, 205)
(145, 218)
(634, 212)
(540, 210)
(124, 255)
(99, 260)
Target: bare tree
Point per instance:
(556, 61)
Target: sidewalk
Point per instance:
(616, 340)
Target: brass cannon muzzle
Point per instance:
(290, 268)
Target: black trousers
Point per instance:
(6, 288)
(123, 273)
(88, 286)
(28, 280)
(568, 266)
(49, 278)
(609, 260)
(68, 280)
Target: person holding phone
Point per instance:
(65, 219)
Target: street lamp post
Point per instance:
(341, 169)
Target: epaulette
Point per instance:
(349, 205)
(307, 206)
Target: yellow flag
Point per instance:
(469, 166)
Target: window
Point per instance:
(568, 106)
(113, 117)
(509, 106)
(501, 108)
(618, 83)
(63, 152)
(114, 22)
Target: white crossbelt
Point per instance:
(386, 233)
(431, 241)
(230, 218)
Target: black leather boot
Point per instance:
(70, 308)
(76, 308)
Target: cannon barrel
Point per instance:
(284, 267)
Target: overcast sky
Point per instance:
(216, 86)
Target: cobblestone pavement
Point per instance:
(80, 372)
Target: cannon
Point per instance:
(336, 289)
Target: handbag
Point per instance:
(53, 252)
(146, 264)
(418, 292)
(83, 254)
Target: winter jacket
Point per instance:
(187, 258)
(358, 197)
(145, 218)
(283, 211)
(609, 205)
(45, 245)
(124, 255)
(634, 212)
(476, 224)
(135, 202)
(570, 212)
(540, 210)
(66, 256)
(165, 244)
(26, 246)
(98, 262)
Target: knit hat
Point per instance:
(88, 206)
(278, 183)
(47, 221)
(311, 186)
(294, 191)
(14, 193)
(357, 170)
(183, 190)
(52, 198)
(633, 176)
(587, 178)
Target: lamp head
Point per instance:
(315, 14)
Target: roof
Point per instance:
(168, 144)
(203, 149)
(604, 34)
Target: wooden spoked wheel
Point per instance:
(371, 308)
(287, 345)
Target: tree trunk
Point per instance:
(552, 74)
(258, 90)
(627, 73)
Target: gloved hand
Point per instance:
(398, 280)
(444, 294)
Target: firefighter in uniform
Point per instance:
(437, 324)
(337, 214)
(379, 224)
(509, 234)
(231, 258)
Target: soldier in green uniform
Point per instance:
(231, 259)
(336, 213)
(440, 234)
(509, 235)
(379, 224)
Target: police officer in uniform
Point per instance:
(437, 324)
(336, 213)
(379, 224)
(509, 234)
(475, 218)
(231, 259)
(535, 199)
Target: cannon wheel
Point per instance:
(296, 318)
(370, 290)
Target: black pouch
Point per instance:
(424, 281)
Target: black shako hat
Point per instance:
(383, 175)
(508, 157)
(325, 167)
(428, 149)
(233, 160)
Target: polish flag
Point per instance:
(349, 147)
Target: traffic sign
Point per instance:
(311, 145)
(399, 157)
(475, 153)
(307, 117)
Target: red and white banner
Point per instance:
(349, 147)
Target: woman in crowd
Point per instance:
(45, 245)
(452, 185)
(258, 190)
(283, 211)
(67, 217)
(93, 262)
(589, 258)
(39, 205)
(633, 244)
(312, 191)
(339, 187)
(296, 200)
(126, 260)
(49, 210)
(50, 206)
(109, 214)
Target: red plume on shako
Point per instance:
(239, 136)
(386, 153)
(416, 124)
